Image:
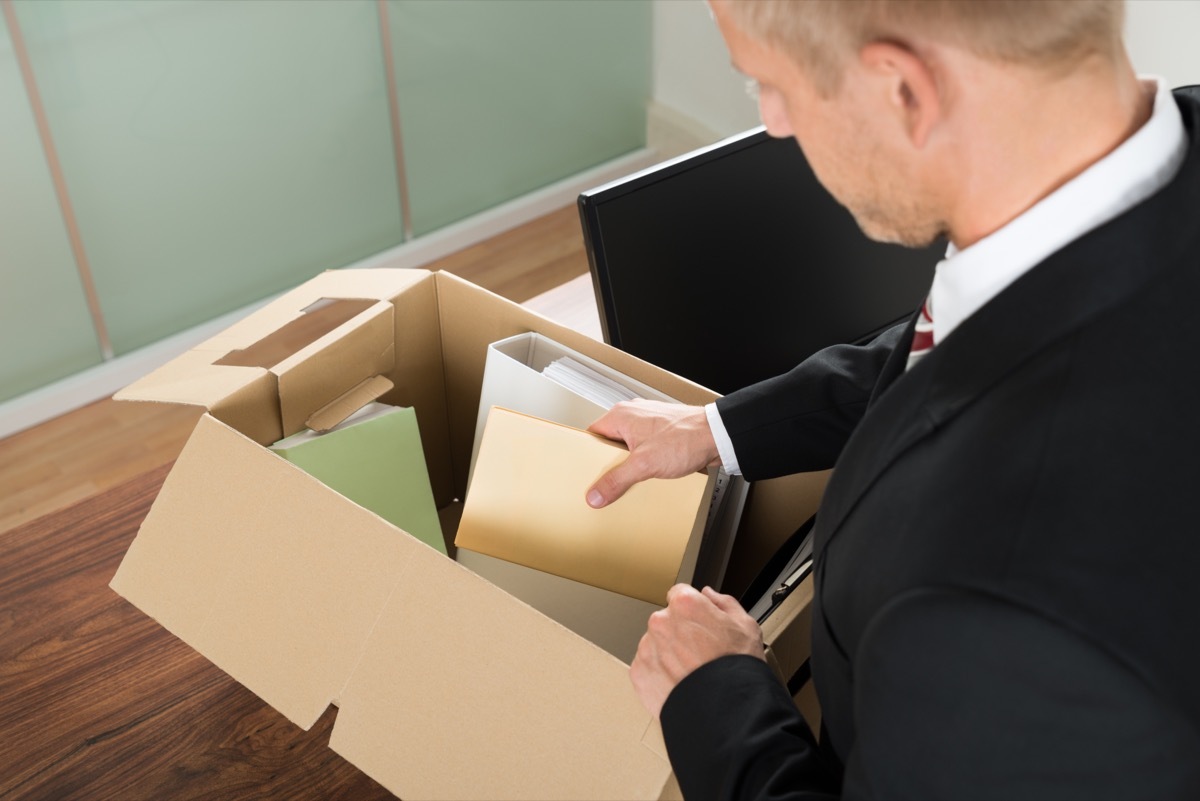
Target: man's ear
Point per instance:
(910, 86)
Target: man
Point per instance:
(1006, 601)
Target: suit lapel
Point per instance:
(1056, 298)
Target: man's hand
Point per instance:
(665, 440)
(694, 629)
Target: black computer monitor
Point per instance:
(733, 264)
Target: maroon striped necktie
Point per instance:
(922, 341)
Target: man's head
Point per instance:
(822, 36)
(908, 109)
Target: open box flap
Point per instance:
(430, 712)
(301, 382)
(192, 378)
(284, 591)
(347, 284)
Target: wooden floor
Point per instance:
(92, 449)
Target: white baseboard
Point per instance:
(456, 236)
(101, 381)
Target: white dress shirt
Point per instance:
(967, 279)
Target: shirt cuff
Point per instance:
(724, 444)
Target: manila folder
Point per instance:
(526, 505)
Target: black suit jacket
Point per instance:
(1008, 552)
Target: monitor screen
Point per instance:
(733, 264)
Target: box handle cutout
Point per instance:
(315, 321)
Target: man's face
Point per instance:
(852, 157)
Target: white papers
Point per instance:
(513, 378)
(583, 380)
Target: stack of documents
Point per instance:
(591, 384)
(514, 378)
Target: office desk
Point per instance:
(99, 701)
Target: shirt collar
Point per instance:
(1141, 165)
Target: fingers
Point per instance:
(695, 628)
(605, 427)
(612, 424)
(616, 482)
(608, 488)
(686, 604)
(726, 603)
(665, 440)
(685, 600)
(678, 591)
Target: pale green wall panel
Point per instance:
(45, 331)
(216, 152)
(500, 98)
(219, 151)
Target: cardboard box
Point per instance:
(447, 687)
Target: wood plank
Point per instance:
(86, 451)
(526, 261)
(95, 692)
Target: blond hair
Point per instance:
(821, 34)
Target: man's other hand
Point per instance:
(694, 629)
(665, 440)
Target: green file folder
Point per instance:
(374, 459)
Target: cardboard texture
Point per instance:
(341, 407)
(280, 592)
(551, 711)
(308, 599)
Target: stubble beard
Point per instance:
(903, 222)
